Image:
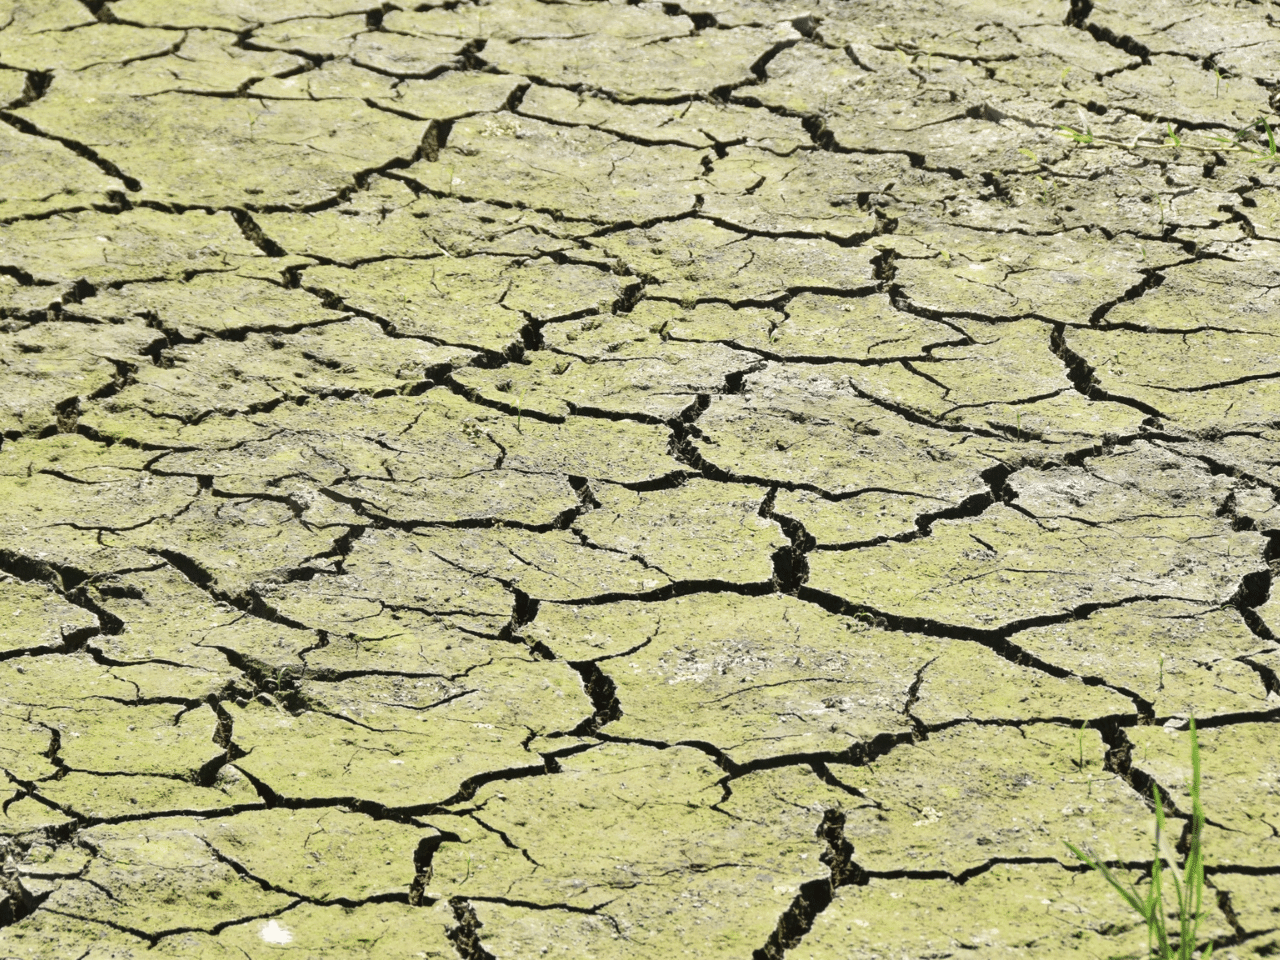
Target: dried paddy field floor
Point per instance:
(718, 479)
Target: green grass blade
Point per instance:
(1271, 153)
(1130, 896)
(1188, 890)
(1195, 766)
(1195, 852)
(1158, 921)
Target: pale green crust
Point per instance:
(138, 244)
(1013, 910)
(285, 152)
(1242, 771)
(719, 848)
(717, 479)
(524, 162)
(724, 521)
(966, 773)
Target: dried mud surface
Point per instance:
(715, 478)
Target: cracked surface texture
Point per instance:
(731, 479)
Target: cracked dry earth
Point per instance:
(718, 479)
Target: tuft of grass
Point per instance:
(1079, 137)
(1237, 140)
(1248, 139)
(1186, 898)
(1271, 141)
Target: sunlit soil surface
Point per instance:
(725, 479)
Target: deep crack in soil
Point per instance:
(720, 478)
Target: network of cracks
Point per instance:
(725, 479)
